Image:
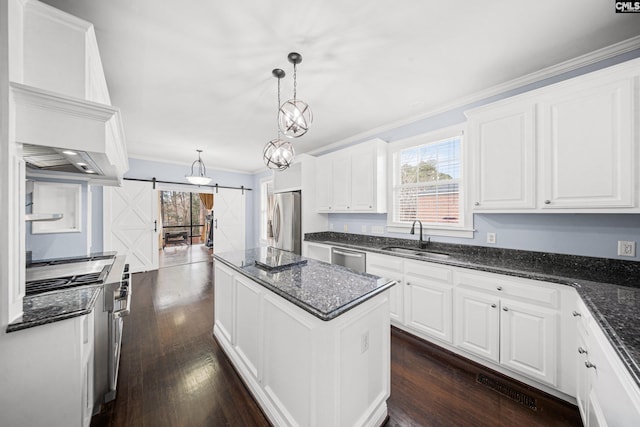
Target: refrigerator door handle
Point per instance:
(276, 220)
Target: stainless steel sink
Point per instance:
(416, 252)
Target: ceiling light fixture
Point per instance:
(201, 177)
(295, 115)
(278, 153)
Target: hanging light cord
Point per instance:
(278, 109)
(294, 81)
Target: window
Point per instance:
(427, 182)
(266, 204)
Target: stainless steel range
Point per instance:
(113, 304)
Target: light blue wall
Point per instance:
(58, 245)
(147, 169)
(581, 234)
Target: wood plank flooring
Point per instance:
(173, 373)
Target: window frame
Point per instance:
(465, 227)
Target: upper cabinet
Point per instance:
(353, 179)
(568, 147)
(504, 157)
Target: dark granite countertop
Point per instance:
(322, 289)
(55, 306)
(610, 288)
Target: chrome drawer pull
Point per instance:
(589, 365)
(582, 350)
(576, 314)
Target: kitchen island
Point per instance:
(310, 340)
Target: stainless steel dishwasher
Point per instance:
(347, 258)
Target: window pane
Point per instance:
(429, 187)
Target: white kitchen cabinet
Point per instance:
(356, 179)
(341, 183)
(586, 134)
(477, 324)
(528, 336)
(297, 365)
(504, 157)
(323, 183)
(606, 393)
(508, 324)
(391, 268)
(571, 147)
(317, 251)
(428, 299)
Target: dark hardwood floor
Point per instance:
(173, 373)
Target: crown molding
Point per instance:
(535, 77)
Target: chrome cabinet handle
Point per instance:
(582, 350)
(547, 202)
(499, 288)
(505, 308)
(155, 226)
(576, 314)
(493, 306)
(477, 203)
(351, 254)
(589, 365)
(215, 223)
(398, 281)
(408, 283)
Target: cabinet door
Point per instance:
(588, 154)
(248, 325)
(324, 182)
(503, 143)
(477, 323)
(582, 376)
(528, 340)
(429, 299)
(363, 180)
(391, 268)
(341, 183)
(223, 302)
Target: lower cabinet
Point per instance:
(391, 268)
(514, 325)
(606, 394)
(519, 336)
(428, 299)
(304, 371)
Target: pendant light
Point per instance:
(278, 153)
(201, 177)
(295, 115)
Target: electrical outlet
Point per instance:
(364, 342)
(346, 228)
(364, 228)
(377, 229)
(491, 238)
(626, 248)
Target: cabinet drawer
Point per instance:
(386, 262)
(424, 270)
(516, 288)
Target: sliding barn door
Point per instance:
(131, 223)
(229, 220)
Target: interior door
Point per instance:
(229, 220)
(131, 223)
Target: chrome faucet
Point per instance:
(421, 243)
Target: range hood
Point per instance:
(66, 137)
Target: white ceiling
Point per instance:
(197, 74)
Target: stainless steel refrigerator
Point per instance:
(285, 222)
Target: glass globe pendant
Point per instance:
(200, 177)
(294, 116)
(278, 153)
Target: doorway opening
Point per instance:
(186, 227)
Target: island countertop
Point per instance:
(324, 290)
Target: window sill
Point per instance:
(464, 233)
